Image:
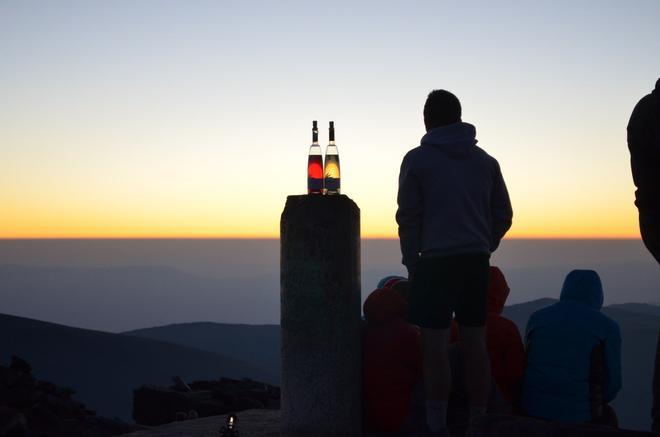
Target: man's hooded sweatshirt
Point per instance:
(505, 347)
(452, 197)
(392, 361)
(560, 341)
(644, 145)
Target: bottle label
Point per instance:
(332, 184)
(315, 184)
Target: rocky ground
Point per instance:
(33, 408)
(265, 423)
(154, 405)
(251, 423)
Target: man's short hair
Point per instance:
(441, 108)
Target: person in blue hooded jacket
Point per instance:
(573, 356)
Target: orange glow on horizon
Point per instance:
(267, 236)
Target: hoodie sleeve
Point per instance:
(500, 207)
(409, 213)
(612, 354)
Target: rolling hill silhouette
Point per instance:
(258, 345)
(639, 328)
(104, 368)
(143, 295)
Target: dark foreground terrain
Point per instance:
(105, 368)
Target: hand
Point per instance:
(412, 269)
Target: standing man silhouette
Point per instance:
(644, 146)
(454, 209)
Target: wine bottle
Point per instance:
(315, 164)
(331, 173)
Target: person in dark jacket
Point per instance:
(392, 361)
(644, 146)
(505, 347)
(453, 210)
(573, 355)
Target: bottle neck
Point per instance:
(331, 143)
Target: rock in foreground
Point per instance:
(154, 405)
(29, 407)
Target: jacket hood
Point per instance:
(498, 291)
(390, 281)
(583, 286)
(385, 305)
(457, 140)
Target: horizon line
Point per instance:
(256, 237)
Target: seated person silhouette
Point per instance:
(505, 349)
(573, 356)
(392, 363)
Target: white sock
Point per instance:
(436, 415)
(476, 411)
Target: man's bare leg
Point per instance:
(477, 367)
(437, 376)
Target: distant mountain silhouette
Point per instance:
(641, 308)
(258, 345)
(155, 295)
(143, 296)
(104, 368)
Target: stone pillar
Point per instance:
(320, 317)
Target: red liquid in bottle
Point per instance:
(315, 164)
(315, 174)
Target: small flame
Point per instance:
(231, 422)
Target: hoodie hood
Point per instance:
(390, 281)
(583, 286)
(385, 305)
(498, 291)
(457, 140)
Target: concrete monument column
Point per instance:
(320, 317)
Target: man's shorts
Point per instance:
(442, 286)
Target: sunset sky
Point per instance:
(193, 118)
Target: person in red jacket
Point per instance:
(503, 341)
(392, 361)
